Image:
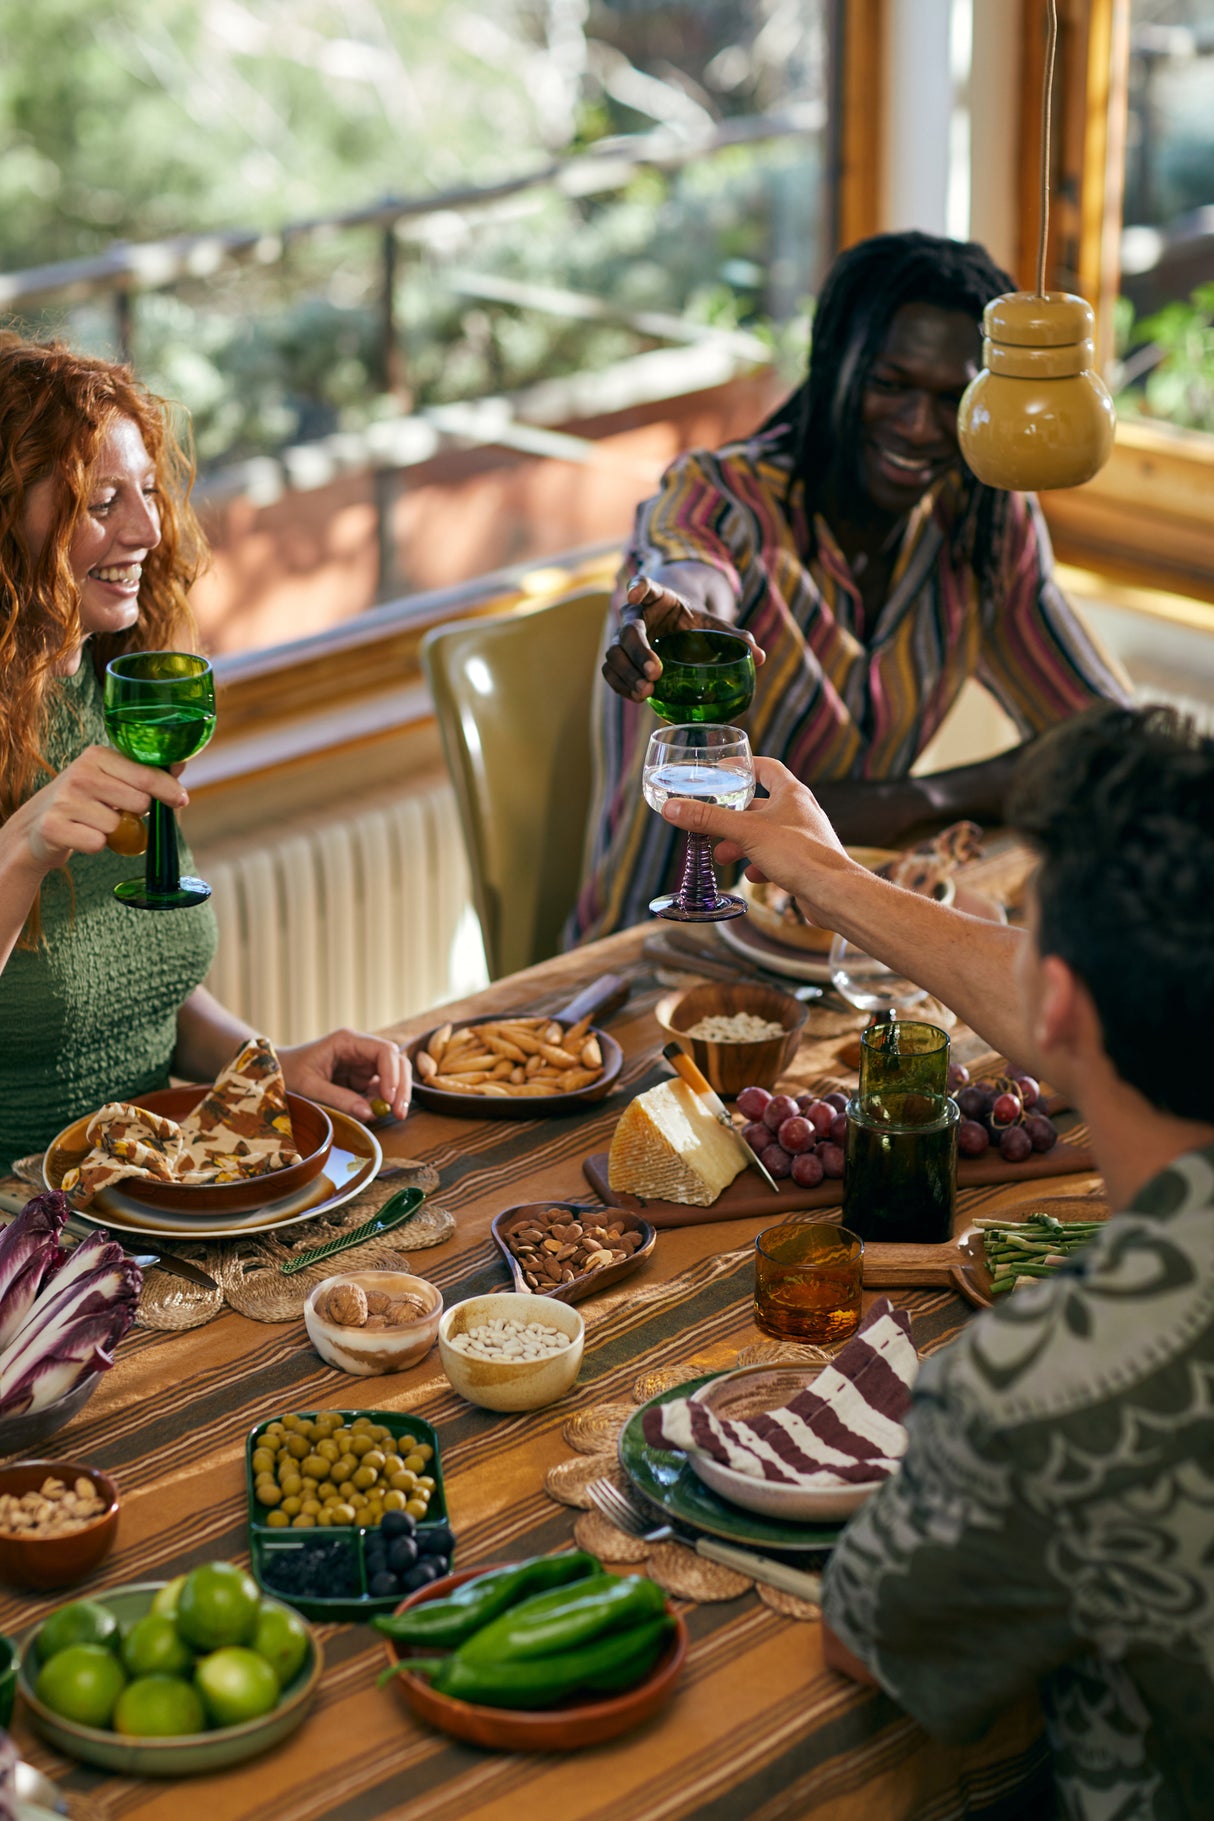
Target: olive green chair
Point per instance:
(513, 695)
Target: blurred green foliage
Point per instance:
(1168, 360)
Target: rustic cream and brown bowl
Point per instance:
(730, 1067)
(511, 1384)
(366, 1352)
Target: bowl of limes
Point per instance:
(170, 1679)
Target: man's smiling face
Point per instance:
(908, 413)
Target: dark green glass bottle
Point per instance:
(900, 1154)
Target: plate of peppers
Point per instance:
(548, 1654)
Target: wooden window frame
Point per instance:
(1146, 519)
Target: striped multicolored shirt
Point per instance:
(838, 697)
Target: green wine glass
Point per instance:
(160, 709)
(706, 676)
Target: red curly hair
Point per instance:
(55, 409)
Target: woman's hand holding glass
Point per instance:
(82, 805)
(160, 709)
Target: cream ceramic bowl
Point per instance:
(366, 1352)
(511, 1384)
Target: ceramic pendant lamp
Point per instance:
(1039, 414)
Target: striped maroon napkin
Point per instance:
(844, 1429)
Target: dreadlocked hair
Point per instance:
(864, 290)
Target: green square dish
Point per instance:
(266, 1541)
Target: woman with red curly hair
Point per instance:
(99, 546)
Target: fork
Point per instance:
(620, 1511)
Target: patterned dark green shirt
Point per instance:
(1053, 1521)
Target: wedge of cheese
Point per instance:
(668, 1147)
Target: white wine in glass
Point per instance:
(715, 765)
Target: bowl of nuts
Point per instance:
(367, 1322)
(511, 1351)
(555, 1248)
(58, 1520)
(737, 1033)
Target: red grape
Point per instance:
(836, 1100)
(1030, 1090)
(838, 1130)
(987, 1086)
(1041, 1132)
(832, 1159)
(777, 1161)
(756, 1134)
(805, 1101)
(972, 1138)
(807, 1170)
(796, 1135)
(973, 1103)
(1015, 1144)
(752, 1102)
(958, 1076)
(1006, 1110)
(779, 1108)
(821, 1117)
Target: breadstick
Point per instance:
(439, 1041)
(573, 1036)
(554, 1053)
(592, 1054)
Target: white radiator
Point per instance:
(356, 919)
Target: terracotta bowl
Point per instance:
(509, 1384)
(56, 1561)
(730, 1067)
(366, 1352)
(566, 1728)
(811, 937)
(312, 1127)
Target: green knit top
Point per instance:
(90, 1015)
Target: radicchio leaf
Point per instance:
(29, 1255)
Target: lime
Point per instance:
(282, 1639)
(164, 1601)
(152, 1648)
(158, 1707)
(82, 1682)
(235, 1685)
(217, 1606)
(83, 1622)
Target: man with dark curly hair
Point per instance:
(1052, 1524)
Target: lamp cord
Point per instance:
(1047, 99)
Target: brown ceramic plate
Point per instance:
(565, 1728)
(970, 1274)
(310, 1123)
(590, 1281)
(530, 1106)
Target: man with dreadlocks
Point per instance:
(870, 569)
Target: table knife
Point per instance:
(159, 1261)
(683, 1065)
(802, 1582)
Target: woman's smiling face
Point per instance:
(119, 527)
(908, 412)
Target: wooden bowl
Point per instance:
(310, 1124)
(56, 1561)
(569, 1727)
(730, 1067)
(487, 1106)
(505, 1223)
(812, 938)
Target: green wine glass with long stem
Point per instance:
(160, 710)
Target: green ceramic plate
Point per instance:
(188, 1755)
(665, 1481)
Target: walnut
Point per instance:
(378, 1302)
(377, 1321)
(346, 1305)
(407, 1309)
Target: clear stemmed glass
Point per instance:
(160, 709)
(706, 676)
(715, 765)
(867, 983)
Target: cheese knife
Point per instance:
(684, 1065)
(160, 1261)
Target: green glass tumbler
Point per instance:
(900, 1153)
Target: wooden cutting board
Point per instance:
(748, 1194)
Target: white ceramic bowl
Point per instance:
(739, 1394)
(511, 1384)
(366, 1352)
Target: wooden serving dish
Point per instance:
(509, 1219)
(569, 1727)
(600, 998)
(310, 1124)
(730, 1067)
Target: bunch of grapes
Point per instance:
(1007, 1113)
(801, 1138)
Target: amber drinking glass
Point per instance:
(808, 1278)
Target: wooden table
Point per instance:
(758, 1726)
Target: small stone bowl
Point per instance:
(56, 1561)
(511, 1384)
(366, 1352)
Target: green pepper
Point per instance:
(566, 1618)
(444, 1624)
(604, 1666)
